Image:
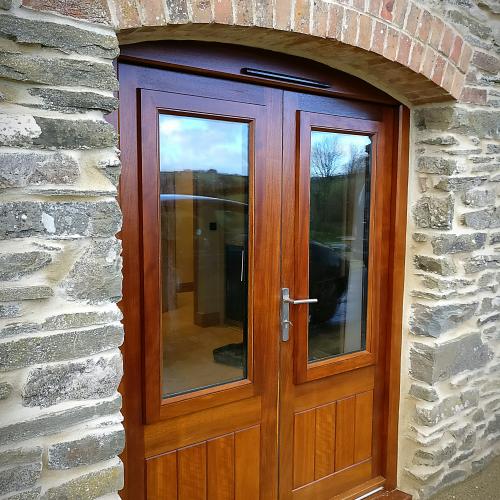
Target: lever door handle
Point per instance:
(286, 300)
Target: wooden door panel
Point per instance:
(224, 468)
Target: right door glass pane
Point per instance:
(338, 243)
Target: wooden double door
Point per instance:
(259, 229)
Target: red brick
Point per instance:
(152, 13)
(350, 30)
(447, 41)
(302, 16)
(436, 32)
(378, 41)
(424, 26)
(412, 19)
(365, 31)
(374, 7)
(387, 8)
(223, 11)
(391, 45)
(359, 4)
(465, 58)
(243, 12)
(263, 13)
(428, 62)
(456, 50)
(282, 15)
(473, 95)
(320, 18)
(399, 12)
(438, 71)
(449, 74)
(486, 62)
(127, 14)
(417, 52)
(95, 11)
(336, 21)
(404, 49)
(458, 84)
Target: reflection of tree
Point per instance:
(329, 159)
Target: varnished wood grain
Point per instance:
(247, 459)
(324, 459)
(344, 447)
(220, 468)
(304, 447)
(192, 472)
(162, 477)
(363, 426)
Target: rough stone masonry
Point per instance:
(60, 267)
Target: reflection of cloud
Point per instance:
(189, 143)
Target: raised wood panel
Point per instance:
(363, 426)
(224, 468)
(324, 459)
(304, 444)
(344, 444)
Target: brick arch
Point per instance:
(397, 45)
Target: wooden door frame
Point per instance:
(193, 57)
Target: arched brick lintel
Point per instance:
(395, 44)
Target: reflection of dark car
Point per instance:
(328, 276)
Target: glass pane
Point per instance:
(338, 245)
(204, 248)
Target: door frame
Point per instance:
(195, 57)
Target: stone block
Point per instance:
(60, 36)
(452, 477)
(14, 266)
(5, 4)
(433, 321)
(52, 422)
(436, 455)
(74, 134)
(64, 219)
(74, 102)
(424, 392)
(436, 165)
(440, 361)
(461, 457)
(11, 310)
(31, 494)
(434, 213)
(489, 319)
(26, 351)
(34, 292)
(28, 168)
(445, 140)
(96, 275)
(439, 265)
(478, 198)
(81, 319)
(459, 183)
(17, 130)
(493, 149)
(5, 390)
(482, 462)
(453, 243)
(92, 378)
(95, 11)
(111, 168)
(481, 262)
(20, 477)
(483, 219)
(90, 449)
(52, 71)
(18, 328)
(87, 486)
(494, 238)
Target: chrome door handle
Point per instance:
(286, 300)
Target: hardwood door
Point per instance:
(202, 166)
(232, 190)
(336, 195)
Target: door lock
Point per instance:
(286, 300)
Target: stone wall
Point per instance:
(60, 266)
(450, 406)
(60, 278)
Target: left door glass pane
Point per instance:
(204, 185)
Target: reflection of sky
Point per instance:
(344, 142)
(189, 143)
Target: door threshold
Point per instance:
(390, 495)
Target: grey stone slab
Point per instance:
(14, 266)
(433, 363)
(483, 219)
(60, 36)
(5, 390)
(81, 319)
(34, 292)
(92, 378)
(87, 450)
(52, 71)
(21, 456)
(53, 422)
(478, 198)
(71, 102)
(481, 262)
(20, 477)
(436, 165)
(458, 184)
(26, 351)
(439, 265)
(434, 213)
(453, 243)
(11, 310)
